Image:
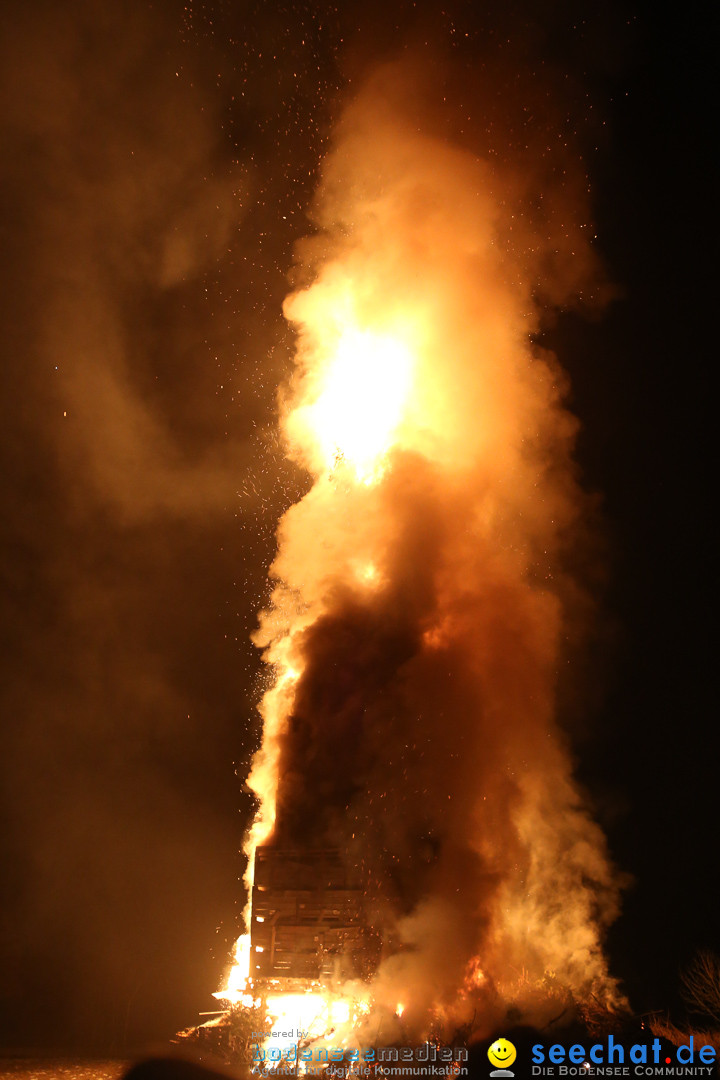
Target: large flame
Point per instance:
(354, 404)
(423, 604)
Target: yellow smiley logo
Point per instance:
(502, 1053)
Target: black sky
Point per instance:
(157, 165)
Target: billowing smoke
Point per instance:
(425, 606)
(129, 454)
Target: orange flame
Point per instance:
(443, 485)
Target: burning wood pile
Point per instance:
(307, 918)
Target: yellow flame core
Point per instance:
(235, 990)
(312, 1017)
(357, 403)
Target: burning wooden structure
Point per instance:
(308, 918)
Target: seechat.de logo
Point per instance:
(501, 1054)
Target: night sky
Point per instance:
(157, 165)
